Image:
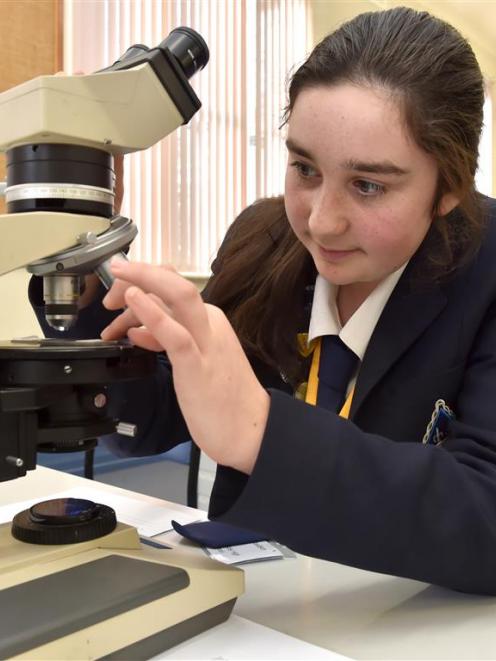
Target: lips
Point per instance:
(336, 255)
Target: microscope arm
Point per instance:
(27, 237)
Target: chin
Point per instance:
(335, 276)
(339, 272)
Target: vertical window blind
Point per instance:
(185, 191)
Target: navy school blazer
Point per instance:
(366, 492)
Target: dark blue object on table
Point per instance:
(215, 534)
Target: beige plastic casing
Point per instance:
(27, 237)
(115, 111)
(211, 584)
(118, 111)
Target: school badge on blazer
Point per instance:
(438, 428)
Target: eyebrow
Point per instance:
(376, 167)
(381, 167)
(292, 146)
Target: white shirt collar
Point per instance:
(356, 333)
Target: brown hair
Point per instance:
(432, 71)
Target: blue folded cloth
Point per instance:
(215, 535)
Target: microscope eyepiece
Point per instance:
(189, 49)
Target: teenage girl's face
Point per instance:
(359, 192)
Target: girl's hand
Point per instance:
(119, 327)
(223, 403)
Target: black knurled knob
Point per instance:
(35, 526)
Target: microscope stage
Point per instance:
(23, 347)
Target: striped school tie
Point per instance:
(336, 367)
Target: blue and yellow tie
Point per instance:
(333, 365)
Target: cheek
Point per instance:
(296, 209)
(392, 232)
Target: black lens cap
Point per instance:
(63, 510)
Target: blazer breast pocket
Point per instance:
(406, 405)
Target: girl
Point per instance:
(381, 241)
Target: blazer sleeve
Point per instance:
(329, 490)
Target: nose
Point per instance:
(328, 215)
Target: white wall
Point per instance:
(17, 318)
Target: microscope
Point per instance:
(60, 134)
(74, 582)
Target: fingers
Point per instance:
(114, 299)
(142, 337)
(119, 327)
(180, 296)
(172, 336)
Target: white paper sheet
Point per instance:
(149, 519)
(241, 640)
(243, 553)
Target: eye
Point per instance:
(305, 171)
(368, 188)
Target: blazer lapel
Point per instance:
(406, 315)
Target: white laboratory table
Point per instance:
(355, 613)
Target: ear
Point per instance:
(447, 203)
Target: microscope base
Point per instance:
(106, 599)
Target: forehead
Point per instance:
(349, 121)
